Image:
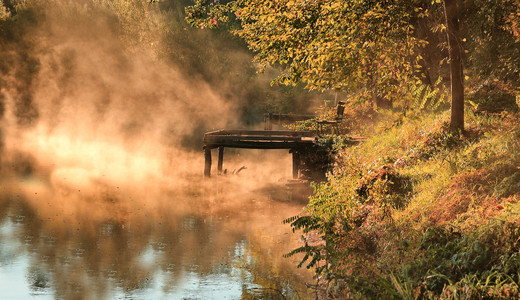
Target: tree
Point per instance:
(377, 49)
(356, 46)
(513, 20)
(456, 68)
(493, 42)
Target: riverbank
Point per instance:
(417, 211)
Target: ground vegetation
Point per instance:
(427, 206)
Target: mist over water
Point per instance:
(196, 241)
(101, 188)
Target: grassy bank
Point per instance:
(419, 212)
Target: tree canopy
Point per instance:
(377, 49)
(348, 45)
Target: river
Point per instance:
(65, 234)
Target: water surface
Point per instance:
(199, 239)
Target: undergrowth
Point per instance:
(418, 211)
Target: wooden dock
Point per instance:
(294, 141)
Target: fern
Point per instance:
(290, 219)
(307, 223)
(310, 251)
(417, 94)
(312, 254)
(426, 97)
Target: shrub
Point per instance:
(491, 98)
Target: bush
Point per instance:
(470, 264)
(491, 98)
(418, 211)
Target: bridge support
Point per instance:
(297, 142)
(207, 162)
(296, 164)
(220, 159)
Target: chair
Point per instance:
(340, 110)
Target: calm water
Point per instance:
(202, 239)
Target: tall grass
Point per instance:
(434, 214)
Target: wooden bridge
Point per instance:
(295, 141)
(298, 142)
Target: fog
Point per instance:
(101, 155)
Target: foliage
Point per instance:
(385, 52)
(486, 260)
(33, 30)
(492, 98)
(4, 13)
(418, 211)
(427, 98)
(512, 23)
(358, 119)
(350, 45)
(493, 51)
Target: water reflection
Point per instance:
(197, 240)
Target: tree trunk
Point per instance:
(456, 68)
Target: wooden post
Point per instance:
(295, 164)
(268, 125)
(220, 159)
(207, 164)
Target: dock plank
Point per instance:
(295, 141)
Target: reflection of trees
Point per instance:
(88, 246)
(274, 274)
(275, 279)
